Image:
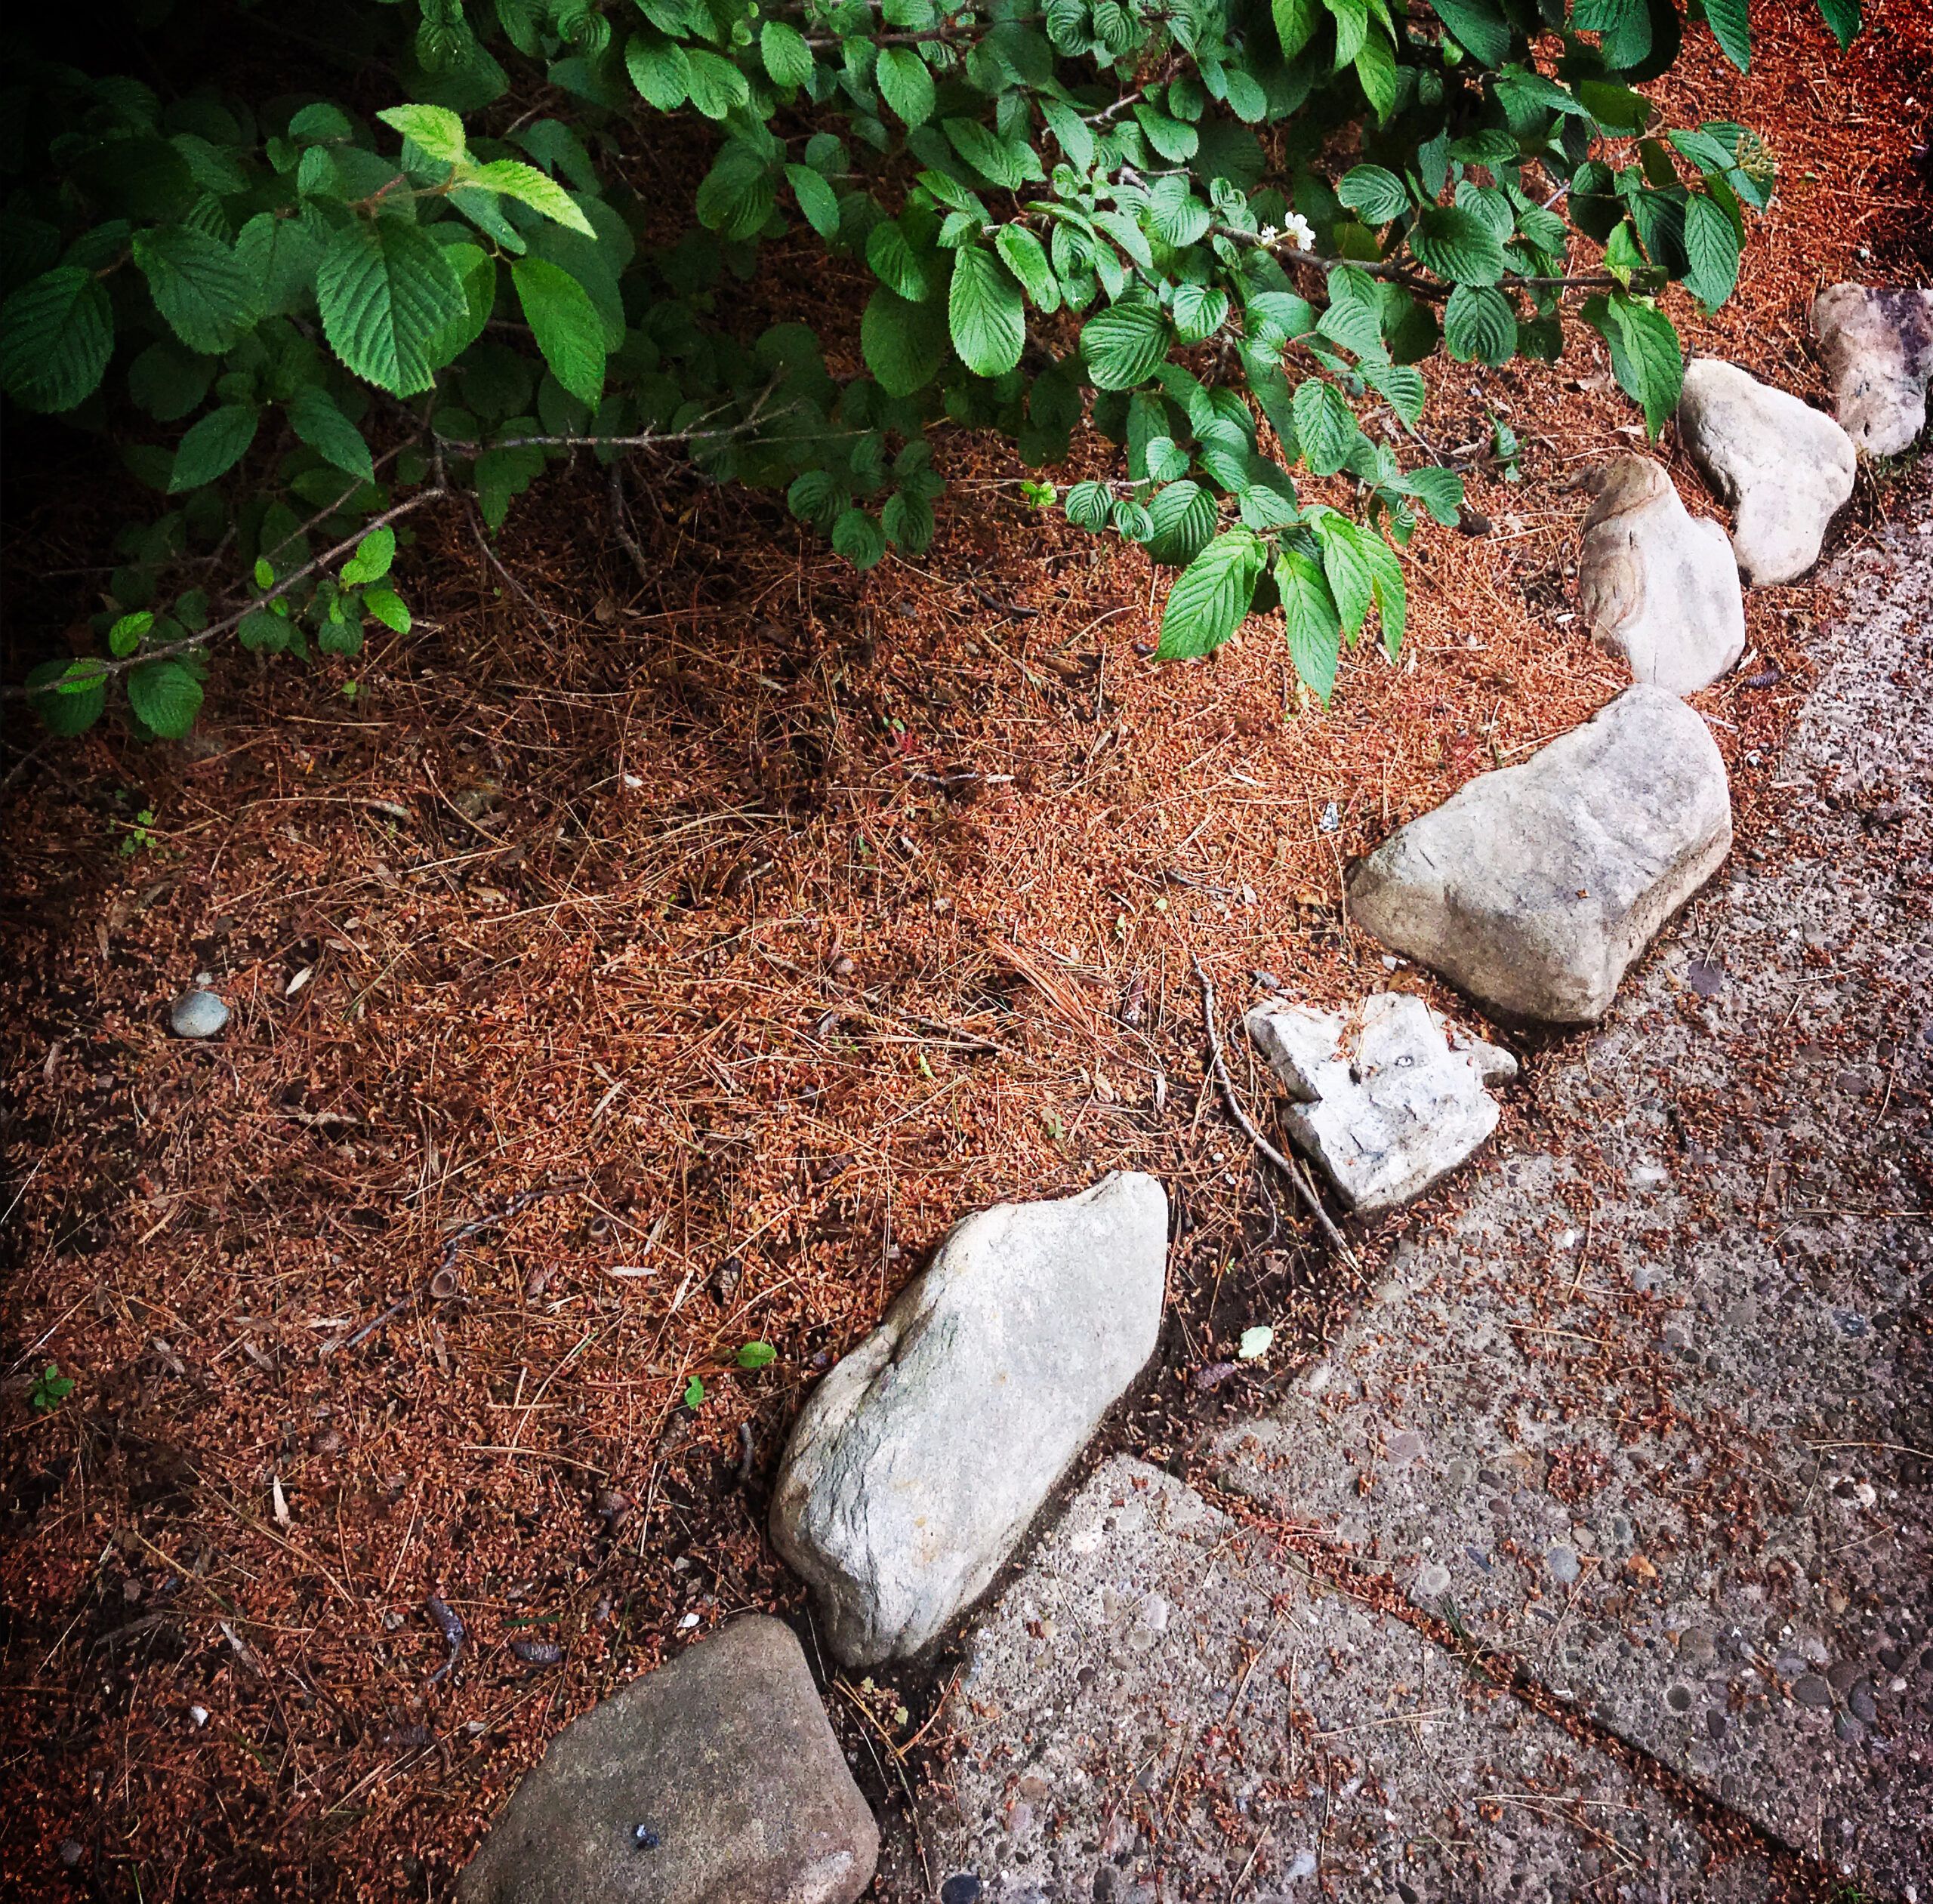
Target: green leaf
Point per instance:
(1352, 18)
(57, 334)
(1345, 567)
(371, 560)
(787, 57)
(515, 180)
(1645, 356)
(694, 1392)
(1325, 426)
(212, 447)
(1210, 595)
(1842, 16)
(716, 85)
(317, 419)
(1006, 162)
(737, 195)
(1089, 505)
(1183, 515)
(1124, 345)
(1401, 386)
(1479, 326)
(566, 325)
(1440, 491)
(1731, 29)
(904, 343)
(1380, 196)
(386, 289)
(905, 83)
(125, 635)
(816, 198)
(757, 1355)
(894, 263)
(659, 70)
(1310, 620)
(1200, 311)
(858, 537)
(165, 696)
(1295, 23)
(1376, 73)
(435, 130)
(1026, 259)
(1071, 133)
(1457, 245)
(69, 696)
(1711, 245)
(199, 285)
(1477, 26)
(388, 608)
(984, 314)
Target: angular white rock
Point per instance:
(1386, 1099)
(1658, 585)
(918, 1463)
(1877, 346)
(1784, 469)
(1535, 887)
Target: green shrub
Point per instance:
(301, 326)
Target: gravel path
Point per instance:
(1642, 1414)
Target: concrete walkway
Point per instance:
(1641, 1422)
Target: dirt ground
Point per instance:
(630, 972)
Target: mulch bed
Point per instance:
(706, 946)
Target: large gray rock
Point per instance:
(714, 1780)
(1534, 887)
(1386, 1098)
(1658, 585)
(1784, 469)
(1877, 349)
(919, 1462)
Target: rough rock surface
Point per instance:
(1658, 585)
(1784, 469)
(1384, 1099)
(1165, 1706)
(1534, 887)
(1877, 349)
(1650, 1413)
(918, 1463)
(714, 1780)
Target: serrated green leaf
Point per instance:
(1711, 246)
(1346, 569)
(386, 289)
(1457, 245)
(1295, 23)
(69, 696)
(1184, 517)
(1210, 595)
(212, 447)
(1645, 355)
(757, 1355)
(1440, 491)
(126, 634)
(389, 608)
(1124, 345)
(817, 199)
(435, 130)
(787, 57)
(198, 285)
(659, 70)
(736, 196)
(1843, 17)
(915, 275)
(1478, 26)
(1310, 622)
(566, 325)
(716, 86)
(57, 334)
(1199, 311)
(1325, 426)
(904, 343)
(1376, 73)
(537, 190)
(1026, 259)
(1071, 133)
(165, 696)
(1401, 386)
(1010, 163)
(371, 560)
(1351, 19)
(858, 537)
(985, 317)
(1479, 326)
(1378, 195)
(317, 419)
(905, 83)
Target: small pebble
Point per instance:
(646, 1839)
(1862, 1701)
(1813, 1691)
(197, 1015)
(963, 1888)
(1563, 1563)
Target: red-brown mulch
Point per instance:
(764, 919)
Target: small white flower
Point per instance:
(1296, 226)
(1269, 234)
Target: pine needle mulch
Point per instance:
(626, 973)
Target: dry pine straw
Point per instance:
(578, 915)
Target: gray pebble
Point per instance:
(1863, 1704)
(197, 1015)
(1813, 1691)
(1846, 1728)
(1562, 1561)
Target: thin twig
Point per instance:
(1304, 1189)
(496, 562)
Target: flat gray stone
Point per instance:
(197, 1015)
(723, 1757)
(920, 1461)
(1659, 586)
(1877, 346)
(1384, 1099)
(1277, 1740)
(1533, 887)
(1784, 469)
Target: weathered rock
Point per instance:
(1784, 469)
(1386, 1099)
(714, 1780)
(1877, 349)
(918, 1463)
(1534, 887)
(1658, 585)
(197, 1015)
